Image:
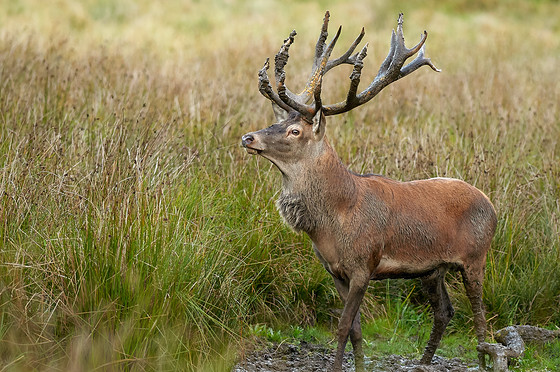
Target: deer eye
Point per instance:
(295, 132)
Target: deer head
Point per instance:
(298, 134)
(290, 143)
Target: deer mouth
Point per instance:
(246, 141)
(252, 151)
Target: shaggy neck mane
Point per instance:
(310, 198)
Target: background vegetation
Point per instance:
(136, 234)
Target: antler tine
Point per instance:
(418, 62)
(280, 61)
(387, 62)
(356, 75)
(412, 51)
(346, 58)
(399, 53)
(266, 89)
(400, 32)
(328, 51)
(321, 42)
(316, 79)
(320, 69)
(281, 58)
(351, 98)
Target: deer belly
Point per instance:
(392, 268)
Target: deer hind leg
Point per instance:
(349, 324)
(472, 279)
(434, 286)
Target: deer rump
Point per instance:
(366, 227)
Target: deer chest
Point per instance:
(295, 211)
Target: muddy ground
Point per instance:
(311, 357)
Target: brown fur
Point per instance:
(371, 227)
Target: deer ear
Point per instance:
(279, 113)
(319, 123)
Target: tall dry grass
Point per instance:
(136, 234)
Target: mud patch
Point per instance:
(311, 357)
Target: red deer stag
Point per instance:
(369, 227)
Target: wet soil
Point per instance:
(311, 357)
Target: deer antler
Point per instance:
(391, 70)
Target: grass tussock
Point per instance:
(135, 233)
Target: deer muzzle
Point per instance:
(246, 142)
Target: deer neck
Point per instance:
(311, 196)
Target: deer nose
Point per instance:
(247, 139)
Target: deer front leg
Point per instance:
(355, 330)
(356, 290)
